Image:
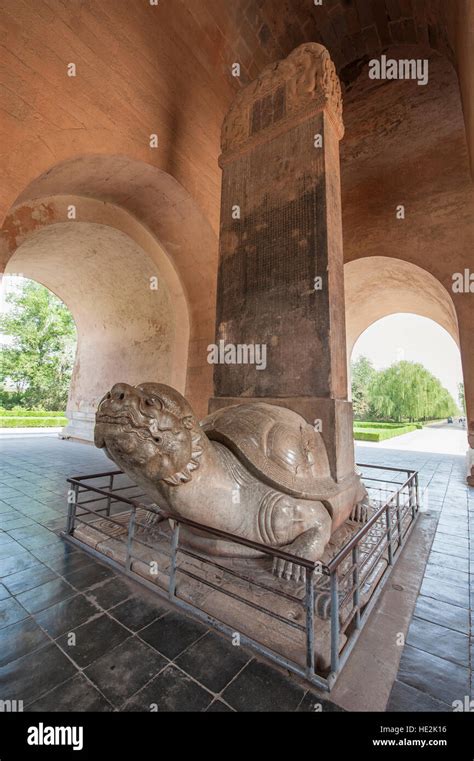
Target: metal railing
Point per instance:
(342, 591)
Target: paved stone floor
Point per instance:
(74, 635)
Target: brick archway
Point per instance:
(160, 217)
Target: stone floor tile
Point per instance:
(68, 563)
(112, 592)
(213, 661)
(170, 691)
(20, 639)
(10, 549)
(121, 672)
(406, 699)
(14, 558)
(312, 703)
(436, 677)
(138, 612)
(440, 545)
(45, 595)
(28, 579)
(33, 675)
(260, 687)
(217, 706)
(447, 576)
(448, 561)
(88, 575)
(66, 615)
(93, 639)
(172, 633)
(438, 640)
(10, 612)
(4, 593)
(454, 595)
(75, 695)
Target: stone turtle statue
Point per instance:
(253, 469)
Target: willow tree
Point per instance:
(408, 391)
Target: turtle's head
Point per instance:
(149, 428)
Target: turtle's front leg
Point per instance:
(310, 545)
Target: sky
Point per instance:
(415, 339)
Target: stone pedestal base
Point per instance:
(80, 426)
(333, 418)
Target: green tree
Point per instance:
(363, 374)
(407, 391)
(39, 357)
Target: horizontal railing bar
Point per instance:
(386, 467)
(278, 592)
(137, 557)
(342, 554)
(251, 604)
(100, 499)
(108, 518)
(381, 546)
(124, 488)
(125, 500)
(381, 480)
(264, 548)
(150, 546)
(75, 479)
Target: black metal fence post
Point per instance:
(174, 558)
(131, 534)
(309, 605)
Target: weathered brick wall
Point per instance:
(352, 30)
(167, 69)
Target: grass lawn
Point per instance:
(32, 419)
(367, 431)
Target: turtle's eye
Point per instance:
(151, 401)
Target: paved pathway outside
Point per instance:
(441, 438)
(163, 659)
(436, 667)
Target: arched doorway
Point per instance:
(126, 320)
(126, 247)
(381, 288)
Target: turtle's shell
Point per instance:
(277, 445)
